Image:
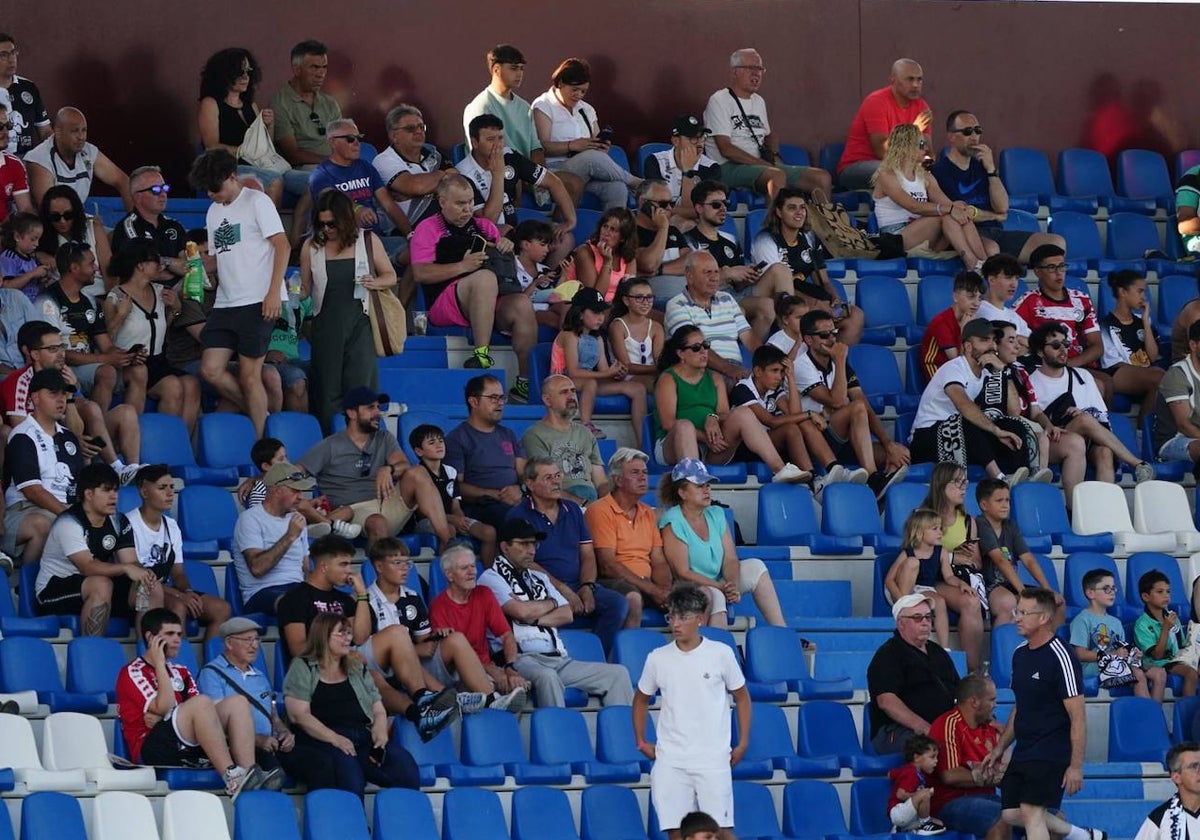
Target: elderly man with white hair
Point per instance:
(346, 171)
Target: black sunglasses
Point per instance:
(322, 223)
(1055, 345)
(823, 334)
(316, 120)
(7, 126)
(717, 204)
(969, 130)
(157, 189)
(697, 347)
(665, 205)
(68, 216)
(349, 138)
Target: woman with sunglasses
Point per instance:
(63, 221)
(338, 716)
(909, 202)
(338, 265)
(692, 418)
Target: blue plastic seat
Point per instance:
(165, 441)
(493, 737)
(1143, 174)
(774, 657)
(1005, 640)
(787, 516)
(1130, 236)
(754, 812)
(207, 517)
(233, 594)
(850, 509)
(1174, 292)
(1083, 173)
(645, 151)
(1183, 718)
(822, 605)
(1027, 178)
(93, 664)
(541, 813)
(830, 156)
(848, 664)
(794, 155)
(585, 647)
(50, 815)
(1024, 221)
(333, 813)
(177, 778)
(1079, 564)
(879, 376)
(900, 500)
(1039, 510)
(825, 728)
(298, 432)
(421, 386)
(886, 310)
(1083, 242)
(1184, 161)
(12, 624)
(438, 757)
(1167, 470)
(1137, 730)
(270, 815)
(868, 807)
(1141, 562)
(401, 814)
(223, 441)
(934, 294)
(812, 809)
(29, 665)
(615, 743)
(559, 736)
(771, 749)
(631, 647)
(609, 812)
(586, 222)
(472, 814)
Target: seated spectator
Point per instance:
(137, 312)
(536, 608)
(917, 569)
(607, 257)
(346, 171)
(506, 66)
(787, 245)
(909, 802)
(487, 457)
(746, 148)
(321, 516)
(684, 166)
(28, 115)
(168, 723)
(428, 443)
(337, 263)
(147, 221)
(1001, 273)
(715, 313)
(910, 204)
(1188, 315)
(90, 352)
(1071, 400)
(829, 386)
(629, 319)
(532, 240)
(1177, 412)
(1054, 302)
(966, 171)
(1130, 348)
(227, 109)
(911, 680)
(159, 546)
(64, 220)
(900, 103)
(460, 292)
(964, 796)
(1002, 547)
(14, 182)
(232, 672)
(302, 112)
(661, 248)
(15, 312)
(410, 168)
(769, 394)
(66, 157)
(565, 555)
(698, 545)
(20, 267)
(391, 661)
(342, 728)
(579, 352)
(573, 140)
(1187, 202)
(949, 426)
(692, 418)
(89, 565)
(445, 654)
(1097, 636)
(625, 536)
(364, 468)
(562, 438)
(1159, 632)
(270, 542)
(943, 336)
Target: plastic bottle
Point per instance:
(195, 281)
(142, 598)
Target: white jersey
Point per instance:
(997, 313)
(156, 547)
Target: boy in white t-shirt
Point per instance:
(1001, 273)
(692, 757)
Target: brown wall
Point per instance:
(1024, 67)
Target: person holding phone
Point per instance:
(684, 166)
(341, 725)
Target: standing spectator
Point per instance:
(14, 182)
(1158, 631)
(900, 103)
(270, 541)
(66, 157)
(487, 456)
(943, 336)
(506, 65)
(964, 797)
(1097, 636)
(1177, 413)
(247, 236)
(1163, 823)
(337, 265)
(562, 438)
(692, 756)
(346, 171)
(63, 221)
(1130, 348)
(1047, 724)
(30, 122)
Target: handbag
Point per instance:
(763, 152)
(258, 150)
(389, 321)
(503, 265)
(831, 224)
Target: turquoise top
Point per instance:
(704, 556)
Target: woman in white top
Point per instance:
(910, 203)
(569, 131)
(137, 312)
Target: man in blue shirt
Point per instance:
(345, 170)
(566, 554)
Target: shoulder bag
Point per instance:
(258, 149)
(389, 321)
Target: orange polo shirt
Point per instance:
(631, 540)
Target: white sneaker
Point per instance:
(348, 530)
(1042, 476)
(128, 473)
(1017, 476)
(791, 474)
(858, 476)
(818, 486)
(318, 530)
(836, 475)
(513, 702)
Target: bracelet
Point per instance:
(993, 174)
(362, 599)
(510, 666)
(939, 209)
(974, 212)
(590, 583)
(713, 414)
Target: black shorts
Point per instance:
(158, 369)
(1032, 783)
(64, 596)
(164, 748)
(240, 329)
(1009, 241)
(843, 452)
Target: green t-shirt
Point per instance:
(1187, 194)
(517, 115)
(294, 118)
(287, 341)
(1145, 636)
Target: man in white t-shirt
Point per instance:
(66, 157)
(1001, 273)
(745, 148)
(246, 235)
(692, 757)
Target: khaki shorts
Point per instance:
(392, 509)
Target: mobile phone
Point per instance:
(605, 134)
(97, 441)
(647, 208)
(139, 349)
(839, 310)
(377, 754)
(760, 266)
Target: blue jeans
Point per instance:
(973, 814)
(607, 618)
(321, 765)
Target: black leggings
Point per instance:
(962, 442)
(322, 765)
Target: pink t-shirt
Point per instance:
(423, 245)
(616, 273)
(878, 114)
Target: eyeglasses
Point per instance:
(7, 126)
(962, 481)
(1055, 345)
(717, 204)
(246, 640)
(1054, 267)
(349, 138)
(316, 120)
(7, 54)
(1191, 767)
(1105, 589)
(325, 223)
(292, 476)
(697, 347)
(1019, 613)
(496, 398)
(639, 298)
(54, 348)
(68, 216)
(921, 617)
(752, 68)
(413, 129)
(157, 189)
(665, 205)
(968, 131)
(347, 632)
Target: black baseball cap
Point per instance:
(688, 125)
(49, 379)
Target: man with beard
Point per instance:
(487, 456)
(560, 437)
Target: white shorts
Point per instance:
(904, 816)
(676, 792)
(750, 572)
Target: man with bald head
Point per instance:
(560, 437)
(147, 221)
(900, 103)
(346, 171)
(66, 157)
(716, 313)
(744, 146)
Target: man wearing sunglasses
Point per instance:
(661, 247)
(967, 172)
(66, 157)
(899, 103)
(684, 165)
(147, 221)
(14, 183)
(346, 171)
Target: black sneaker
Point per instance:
(10, 707)
(434, 718)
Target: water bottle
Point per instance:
(141, 599)
(420, 323)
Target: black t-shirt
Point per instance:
(804, 258)
(926, 682)
(169, 237)
(84, 318)
(304, 602)
(676, 242)
(25, 110)
(106, 540)
(1042, 678)
(724, 248)
(444, 483)
(517, 169)
(335, 704)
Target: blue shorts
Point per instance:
(975, 814)
(1176, 449)
(896, 228)
(292, 372)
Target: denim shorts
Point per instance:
(1176, 449)
(974, 814)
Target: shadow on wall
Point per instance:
(1116, 122)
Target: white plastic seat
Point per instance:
(74, 741)
(19, 751)
(1161, 507)
(1098, 507)
(194, 815)
(123, 815)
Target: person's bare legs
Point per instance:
(97, 602)
(476, 295)
(460, 658)
(767, 601)
(741, 426)
(1090, 428)
(636, 393)
(254, 394)
(1070, 452)
(169, 393)
(214, 369)
(419, 493)
(682, 441)
(789, 442)
(394, 652)
(926, 229)
(1135, 382)
(514, 315)
(31, 536)
(587, 399)
(970, 621)
(135, 387)
(103, 385)
(636, 604)
(850, 422)
(122, 424)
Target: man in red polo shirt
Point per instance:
(899, 103)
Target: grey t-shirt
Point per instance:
(345, 472)
(257, 529)
(485, 459)
(1009, 541)
(575, 451)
